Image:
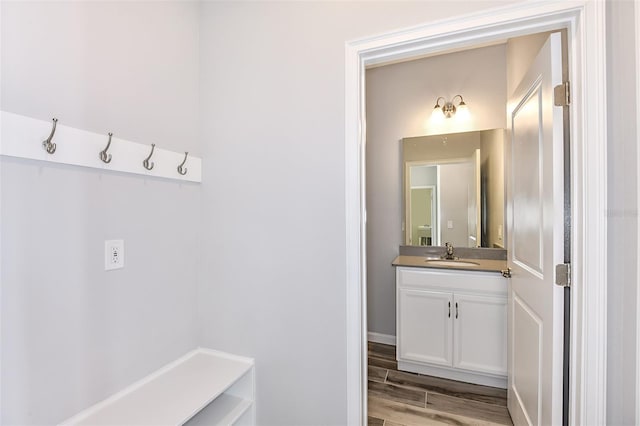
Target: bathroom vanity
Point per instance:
(451, 321)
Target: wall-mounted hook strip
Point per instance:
(28, 138)
(145, 163)
(106, 158)
(46, 144)
(181, 169)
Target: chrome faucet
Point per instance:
(449, 252)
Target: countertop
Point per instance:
(487, 265)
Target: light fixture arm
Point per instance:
(461, 100)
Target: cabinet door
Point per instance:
(480, 330)
(424, 326)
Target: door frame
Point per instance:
(406, 194)
(409, 224)
(585, 24)
(436, 236)
(637, 27)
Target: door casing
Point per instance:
(585, 24)
(637, 22)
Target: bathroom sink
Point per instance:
(454, 263)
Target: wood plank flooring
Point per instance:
(398, 398)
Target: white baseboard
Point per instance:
(486, 379)
(386, 339)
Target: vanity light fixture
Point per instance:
(449, 108)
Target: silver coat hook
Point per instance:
(183, 170)
(106, 158)
(145, 163)
(47, 145)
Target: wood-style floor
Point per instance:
(398, 398)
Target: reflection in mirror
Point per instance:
(454, 189)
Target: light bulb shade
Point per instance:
(436, 114)
(463, 111)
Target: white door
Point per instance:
(535, 206)
(424, 326)
(480, 333)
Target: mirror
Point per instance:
(454, 189)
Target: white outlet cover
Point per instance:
(113, 254)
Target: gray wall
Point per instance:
(622, 169)
(400, 99)
(72, 333)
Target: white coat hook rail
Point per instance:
(36, 139)
(106, 158)
(146, 163)
(181, 169)
(47, 145)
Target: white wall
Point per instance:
(622, 214)
(521, 51)
(131, 69)
(437, 147)
(423, 176)
(72, 333)
(273, 102)
(400, 99)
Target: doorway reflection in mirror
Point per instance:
(454, 189)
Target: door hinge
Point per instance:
(562, 94)
(563, 274)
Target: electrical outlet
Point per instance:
(449, 224)
(113, 254)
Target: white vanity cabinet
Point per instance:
(452, 324)
(425, 329)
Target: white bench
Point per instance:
(204, 387)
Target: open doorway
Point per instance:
(472, 150)
(512, 22)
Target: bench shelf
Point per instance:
(202, 387)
